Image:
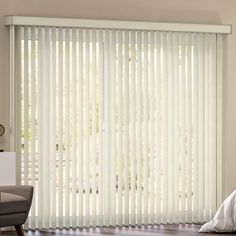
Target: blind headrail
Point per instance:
(110, 24)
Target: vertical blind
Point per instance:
(118, 127)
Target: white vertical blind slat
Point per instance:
(33, 121)
(164, 126)
(158, 127)
(27, 118)
(73, 127)
(170, 128)
(201, 125)
(220, 74)
(189, 126)
(120, 127)
(151, 134)
(176, 119)
(139, 128)
(133, 151)
(67, 101)
(94, 126)
(87, 105)
(182, 128)
(113, 110)
(100, 121)
(40, 127)
(213, 125)
(207, 127)
(80, 65)
(145, 127)
(46, 122)
(107, 128)
(195, 112)
(53, 128)
(19, 102)
(60, 133)
(126, 129)
(26, 104)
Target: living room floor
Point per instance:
(183, 229)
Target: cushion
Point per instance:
(224, 219)
(12, 203)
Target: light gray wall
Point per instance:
(182, 11)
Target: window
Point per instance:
(118, 127)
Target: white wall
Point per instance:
(182, 11)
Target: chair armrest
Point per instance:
(24, 191)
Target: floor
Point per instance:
(167, 230)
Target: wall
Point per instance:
(182, 11)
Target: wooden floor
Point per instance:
(191, 230)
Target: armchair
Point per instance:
(15, 203)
